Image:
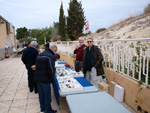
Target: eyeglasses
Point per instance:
(89, 41)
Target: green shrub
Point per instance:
(147, 9)
(100, 30)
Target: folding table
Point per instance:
(98, 102)
(87, 86)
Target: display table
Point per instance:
(99, 102)
(87, 88)
(63, 63)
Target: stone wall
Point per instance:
(3, 34)
(135, 95)
(10, 50)
(2, 54)
(70, 60)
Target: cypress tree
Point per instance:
(62, 24)
(75, 19)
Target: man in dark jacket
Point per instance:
(44, 75)
(79, 54)
(92, 62)
(29, 58)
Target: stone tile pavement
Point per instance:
(14, 93)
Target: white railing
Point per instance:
(130, 57)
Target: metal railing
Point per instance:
(130, 57)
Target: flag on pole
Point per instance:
(87, 26)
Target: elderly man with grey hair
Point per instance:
(44, 75)
(29, 58)
(79, 54)
(34, 44)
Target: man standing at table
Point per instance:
(92, 62)
(44, 75)
(29, 58)
(79, 54)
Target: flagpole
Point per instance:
(87, 27)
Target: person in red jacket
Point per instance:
(79, 54)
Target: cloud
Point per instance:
(42, 13)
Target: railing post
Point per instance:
(128, 62)
(61, 46)
(123, 54)
(114, 50)
(140, 63)
(96, 43)
(68, 47)
(146, 82)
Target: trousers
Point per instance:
(44, 91)
(78, 65)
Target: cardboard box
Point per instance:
(112, 88)
(119, 93)
(104, 86)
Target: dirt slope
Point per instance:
(137, 27)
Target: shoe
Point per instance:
(53, 111)
(31, 90)
(36, 92)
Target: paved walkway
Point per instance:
(14, 93)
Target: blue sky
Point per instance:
(42, 13)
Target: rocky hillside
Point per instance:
(136, 27)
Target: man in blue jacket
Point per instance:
(44, 75)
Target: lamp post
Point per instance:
(45, 39)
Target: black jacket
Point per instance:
(29, 56)
(98, 58)
(45, 67)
